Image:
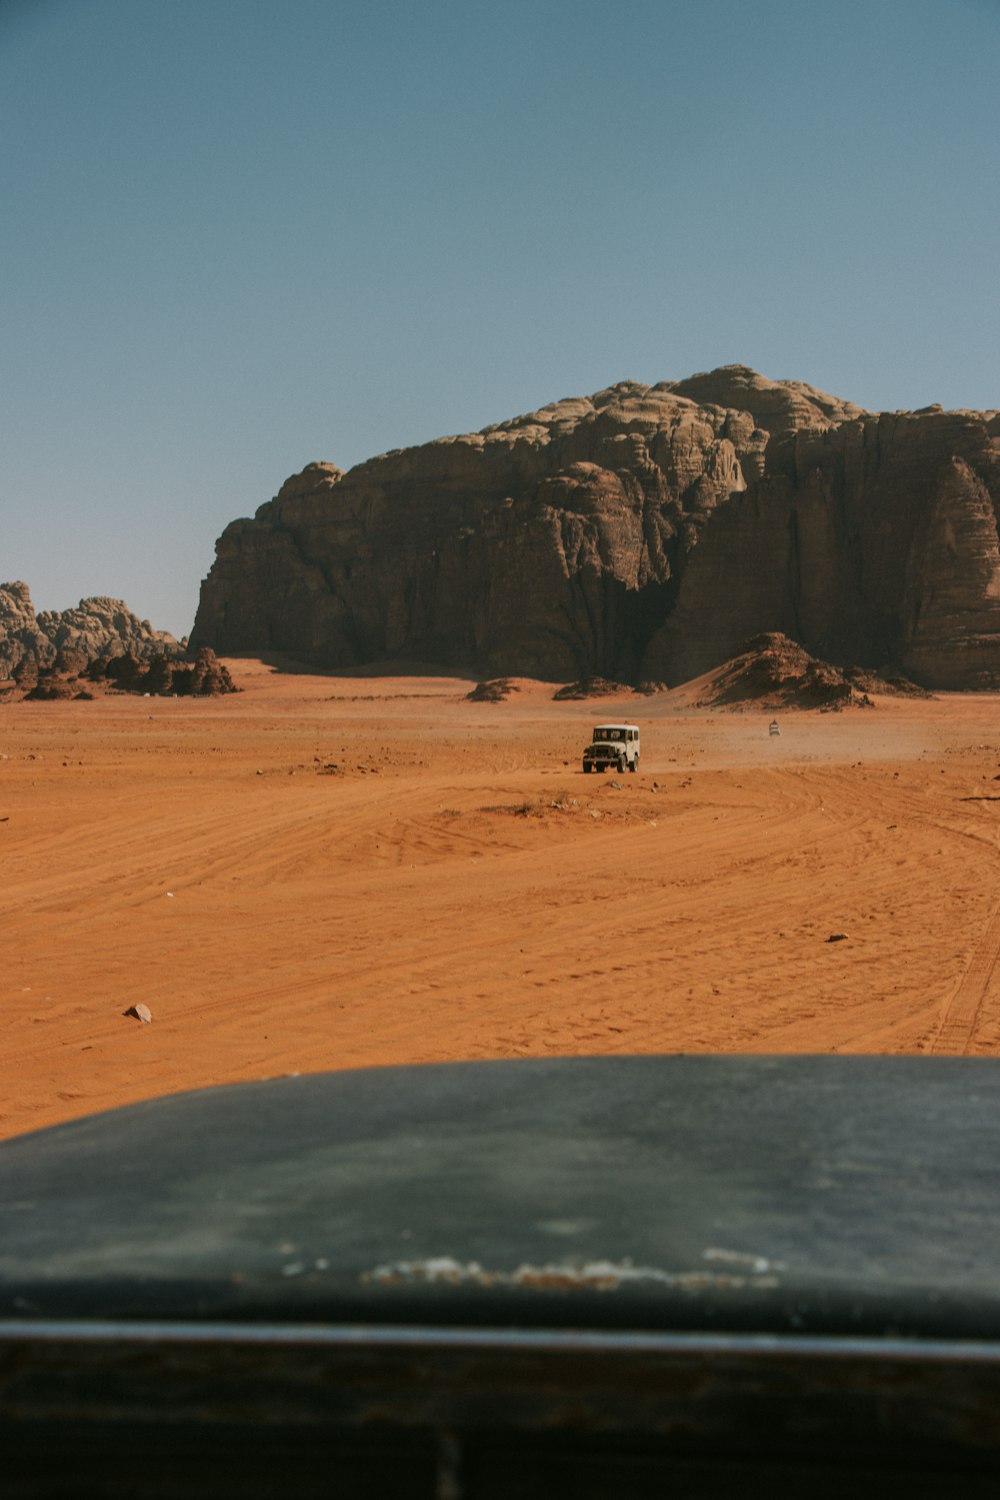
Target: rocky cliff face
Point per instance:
(95, 630)
(642, 532)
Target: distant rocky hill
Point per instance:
(640, 533)
(771, 671)
(95, 631)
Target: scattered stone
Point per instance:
(139, 1012)
(837, 937)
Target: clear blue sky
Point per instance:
(237, 236)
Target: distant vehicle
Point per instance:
(613, 745)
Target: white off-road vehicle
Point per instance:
(614, 746)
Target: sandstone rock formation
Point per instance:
(771, 671)
(96, 630)
(165, 676)
(642, 532)
(71, 675)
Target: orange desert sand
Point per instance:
(457, 888)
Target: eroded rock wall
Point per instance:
(641, 532)
(96, 629)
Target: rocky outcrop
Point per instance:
(773, 672)
(96, 630)
(600, 687)
(497, 690)
(165, 676)
(20, 636)
(642, 532)
(71, 675)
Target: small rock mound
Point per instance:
(776, 672)
(592, 687)
(48, 688)
(496, 690)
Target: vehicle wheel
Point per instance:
(635, 765)
(586, 768)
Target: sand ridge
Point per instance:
(332, 872)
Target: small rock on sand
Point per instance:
(139, 1012)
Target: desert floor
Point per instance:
(331, 872)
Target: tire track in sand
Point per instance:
(962, 1012)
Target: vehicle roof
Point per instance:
(615, 724)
